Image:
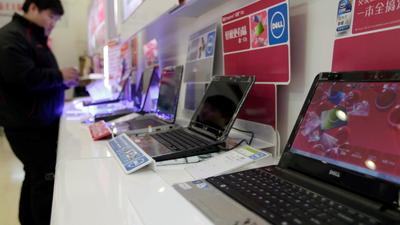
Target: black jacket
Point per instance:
(31, 84)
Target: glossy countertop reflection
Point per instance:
(91, 188)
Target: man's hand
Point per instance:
(70, 76)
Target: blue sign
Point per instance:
(278, 24)
(210, 44)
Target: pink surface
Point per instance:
(267, 64)
(260, 105)
(364, 137)
(377, 51)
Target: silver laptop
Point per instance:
(209, 126)
(341, 164)
(167, 105)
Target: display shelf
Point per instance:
(195, 8)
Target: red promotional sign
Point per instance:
(372, 43)
(375, 14)
(237, 36)
(256, 42)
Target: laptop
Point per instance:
(209, 126)
(341, 164)
(124, 82)
(140, 97)
(167, 105)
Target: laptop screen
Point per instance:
(139, 97)
(168, 97)
(355, 126)
(221, 103)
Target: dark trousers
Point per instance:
(37, 150)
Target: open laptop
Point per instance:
(140, 97)
(167, 105)
(341, 164)
(209, 126)
(120, 96)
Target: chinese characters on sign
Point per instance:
(256, 42)
(372, 41)
(375, 14)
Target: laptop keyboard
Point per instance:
(281, 202)
(179, 139)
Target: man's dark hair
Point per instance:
(53, 5)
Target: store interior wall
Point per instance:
(312, 34)
(69, 38)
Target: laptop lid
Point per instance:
(348, 133)
(142, 89)
(168, 97)
(220, 105)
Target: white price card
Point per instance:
(226, 162)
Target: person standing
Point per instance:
(31, 101)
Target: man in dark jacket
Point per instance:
(31, 101)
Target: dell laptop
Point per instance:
(341, 164)
(209, 126)
(140, 97)
(167, 105)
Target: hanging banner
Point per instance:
(367, 35)
(256, 41)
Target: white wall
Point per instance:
(312, 33)
(4, 20)
(70, 35)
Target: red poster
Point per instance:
(372, 42)
(236, 36)
(375, 14)
(260, 105)
(256, 41)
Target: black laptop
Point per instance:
(341, 164)
(209, 126)
(140, 96)
(167, 105)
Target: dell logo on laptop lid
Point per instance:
(334, 173)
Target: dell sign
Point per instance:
(278, 24)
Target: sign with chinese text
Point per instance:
(9, 7)
(256, 41)
(375, 14)
(367, 32)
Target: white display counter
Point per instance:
(91, 187)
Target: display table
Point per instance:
(91, 188)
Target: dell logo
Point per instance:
(334, 173)
(278, 25)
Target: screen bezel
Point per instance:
(154, 73)
(249, 80)
(178, 71)
(372, 187)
